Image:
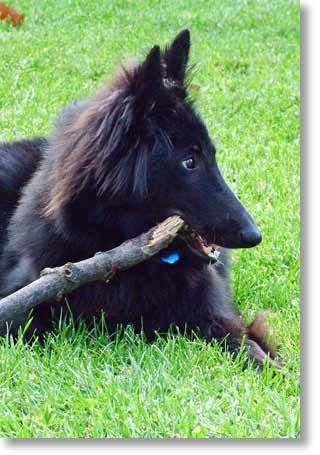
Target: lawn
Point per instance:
(247, 53)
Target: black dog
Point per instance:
(117, 164)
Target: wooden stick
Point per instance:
(56, 282)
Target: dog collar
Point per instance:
(174, 257)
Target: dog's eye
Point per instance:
(189, 163)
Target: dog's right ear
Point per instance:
(148, 79)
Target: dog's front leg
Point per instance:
(251, 350)
(236, 338)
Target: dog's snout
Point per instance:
(250, 237)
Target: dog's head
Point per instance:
(140, 145)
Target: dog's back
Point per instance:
(18, 161)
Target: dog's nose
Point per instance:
(251, 237)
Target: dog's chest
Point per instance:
(159, 294)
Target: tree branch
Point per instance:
(56, 282)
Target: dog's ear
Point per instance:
(148, 80)
(176, 56)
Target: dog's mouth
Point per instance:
(199, 245)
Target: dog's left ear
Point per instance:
(176, 56)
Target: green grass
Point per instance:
(84, 385)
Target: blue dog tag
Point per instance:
(171, 258)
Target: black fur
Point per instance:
(18, 161)
(114, 167)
